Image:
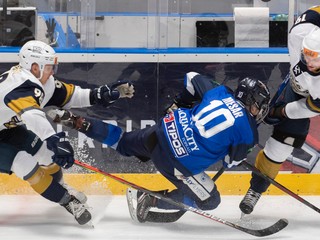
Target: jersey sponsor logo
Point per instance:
(187, 131)
(195, 187)
(174, 137)
(168, 118)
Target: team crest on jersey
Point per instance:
(296, 70)
(173, 135)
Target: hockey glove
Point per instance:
(276, 114)
(125, 88)
(105, 95)
(63, 151)
(178, 102)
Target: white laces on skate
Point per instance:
(78, 195)
(252, 197)
(78, 209)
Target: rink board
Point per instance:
(228, 183)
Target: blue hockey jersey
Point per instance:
(218, 126)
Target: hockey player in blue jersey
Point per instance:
(207, 123)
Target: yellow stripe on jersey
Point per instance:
(20, 104)
(311, 105)
(316, 9)
(70, 89)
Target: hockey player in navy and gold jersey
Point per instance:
(209, 122)
(299, 101)
(29, 145)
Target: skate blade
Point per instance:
(131, 195)
(90, 224)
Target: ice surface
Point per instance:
(32, 217)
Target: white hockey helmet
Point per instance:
(311, 45)
(37, 52)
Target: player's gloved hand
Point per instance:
(278, 111)
(125, 88)
(63, 151)
(178, 102)
(105, 95)
(276, 114)
(228, 163)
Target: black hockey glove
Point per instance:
(63, 151)
(105, 95)
(276, 114)
(178, 102)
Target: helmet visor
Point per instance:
(50, 68)
(310, 57)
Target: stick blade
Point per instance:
(276, 227)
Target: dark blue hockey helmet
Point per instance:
(253, 92)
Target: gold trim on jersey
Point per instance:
(315, 8)
(70, 90)
(21, 104)
(311, 105)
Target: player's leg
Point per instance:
(197, 190)
(190, 191)
(278, 148)
(43, 156)
(19, 157)
(287, 135)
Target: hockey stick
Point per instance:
(218, 174)
(279, 225)
(280, 186)
(281, 87)
(274, 100)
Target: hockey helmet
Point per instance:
(37, 52)
(253, 92)
(311, 46)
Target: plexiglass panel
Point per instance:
(162, 24)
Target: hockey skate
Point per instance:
(139, 204)
(249, 201)
(78, 210)
(68, 119)
(158, 215)
(78, 195)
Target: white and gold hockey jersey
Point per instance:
(23, 97)
(303, 82)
